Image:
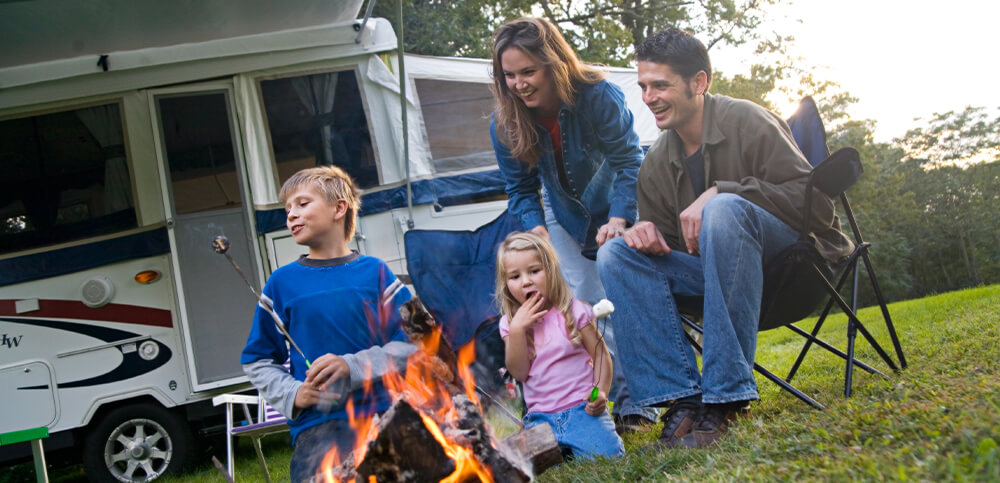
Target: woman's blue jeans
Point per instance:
(737, 238)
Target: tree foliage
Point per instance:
(601, 31)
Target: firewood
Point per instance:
(404, 449)
(537, 445)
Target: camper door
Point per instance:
(205, 195)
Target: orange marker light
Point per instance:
(147, 276)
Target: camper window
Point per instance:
(457, 120)
(318, 120)
(65, 177)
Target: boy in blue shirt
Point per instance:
(341, 308)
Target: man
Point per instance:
(718, 195)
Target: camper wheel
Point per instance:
(140, 442)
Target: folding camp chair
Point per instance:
(267, 421)
(454, 273)
(799, 279)
(834, 175)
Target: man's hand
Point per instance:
(691, 219)
(325, 369)
(541, 231)
(645, 238)
(615, 227)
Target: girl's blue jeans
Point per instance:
(587, 436)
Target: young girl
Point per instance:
(554, 349)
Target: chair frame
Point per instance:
(846, 165)
(256, 429)
(854, 324)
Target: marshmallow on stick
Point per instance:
(603, 309)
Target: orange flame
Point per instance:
(432, 400)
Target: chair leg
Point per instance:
(757, 367)
(260, 458)
(853, 317)
(826, 345)
(815, 331)
(885, 311)
(230, 466)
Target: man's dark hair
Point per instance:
(685, 54)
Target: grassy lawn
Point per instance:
(937, 420)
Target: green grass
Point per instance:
(937, 420)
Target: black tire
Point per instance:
(140, 442)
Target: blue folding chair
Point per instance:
(454, 274)
(799, 280)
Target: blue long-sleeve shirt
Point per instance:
(345, 306)
(601, 155)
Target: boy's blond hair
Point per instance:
(335, 185)
(557, 291)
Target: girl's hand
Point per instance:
(529, 312)
(597, 406)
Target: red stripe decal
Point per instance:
(74, 309)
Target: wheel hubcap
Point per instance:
(138, 450)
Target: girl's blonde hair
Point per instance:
(542, 41)
(556, 289)
(334, 184)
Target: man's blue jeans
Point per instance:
(581, 276)
(737, 238)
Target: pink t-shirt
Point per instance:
(562, 374)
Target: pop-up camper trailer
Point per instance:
(132, 132)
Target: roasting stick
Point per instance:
(602, 309)
(221, 245)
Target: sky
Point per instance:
(903, 59)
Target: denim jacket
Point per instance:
(601, 156)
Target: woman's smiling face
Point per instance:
(530, 81)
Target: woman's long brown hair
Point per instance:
(542, 41)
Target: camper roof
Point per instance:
(33, 31)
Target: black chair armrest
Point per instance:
(835, 175)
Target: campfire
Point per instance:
(435, 429)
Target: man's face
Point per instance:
(669, 96)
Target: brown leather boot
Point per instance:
(713, 422)
(678, 421)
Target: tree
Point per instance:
(601, 31)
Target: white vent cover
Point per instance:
(97, 291)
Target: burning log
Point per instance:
(435, 429)
(409, 446)
(404, 450)
(424, 331)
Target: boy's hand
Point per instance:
(597, 406)
(306, 396)
(325, 369)
(529, 312)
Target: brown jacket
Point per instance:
(749, 151)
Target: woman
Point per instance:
(560, 127)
